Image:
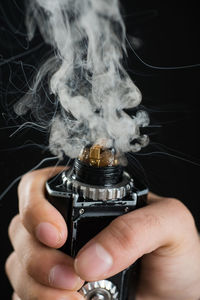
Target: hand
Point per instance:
(163, 233)
(37, 271)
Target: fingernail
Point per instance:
(48, 234)
(94, 262)
(63, 277)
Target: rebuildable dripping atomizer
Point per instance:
(91, 194)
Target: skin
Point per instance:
(163, 232)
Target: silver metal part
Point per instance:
(99, 290)
(126, 209)
(103, 193)
(81, 211)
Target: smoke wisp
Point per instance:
(90, 87)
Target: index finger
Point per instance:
(38, 216)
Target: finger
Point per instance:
(28, 289)
(161, 225)
(38, 216)
(47, 266)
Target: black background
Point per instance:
(169, 33)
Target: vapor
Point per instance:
(91, 89)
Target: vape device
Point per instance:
(92, 193)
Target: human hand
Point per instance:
(163, 233)
(36, 269)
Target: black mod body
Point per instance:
(88, 206)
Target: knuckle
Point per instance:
(13, 225)
(175, 203)
(180, 210)
(182, 214)
(25, 292)
(25, 178)
(9, 263)
(126, 231)
(29, 213)
(123, 233)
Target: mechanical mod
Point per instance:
(89, 195)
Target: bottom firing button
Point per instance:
(99, 290)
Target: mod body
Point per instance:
(89, 202)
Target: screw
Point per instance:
(126, 209)
(81, 211)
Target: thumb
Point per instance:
(130, 236)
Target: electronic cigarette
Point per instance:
(92, 193)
